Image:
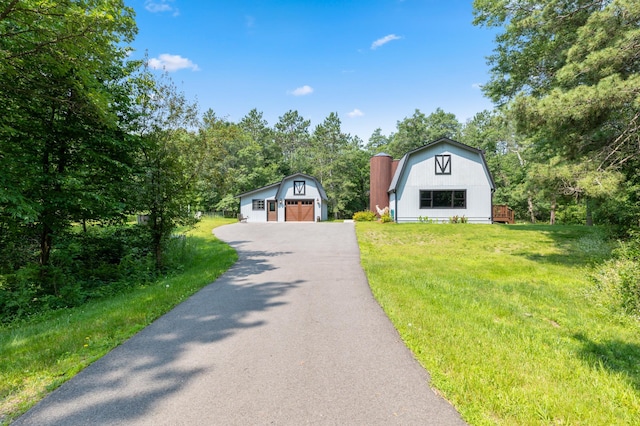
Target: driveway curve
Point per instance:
(289, 335)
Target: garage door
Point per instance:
(299, 211)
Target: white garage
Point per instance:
(296, 198)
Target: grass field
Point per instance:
(38, 356)
(504, 319)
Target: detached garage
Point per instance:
(297, 198)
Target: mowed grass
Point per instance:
(504, 319)
(38, 356)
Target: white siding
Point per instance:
(246, 205)
(467, 173)
(311, 193)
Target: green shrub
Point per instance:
(386, 218)
(18, 293)
(18, 246)
(364, 216)
(618, 279)
(85, 265)
(573, 214)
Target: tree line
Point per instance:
(90, 137)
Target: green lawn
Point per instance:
(37, 357)
(504, 319)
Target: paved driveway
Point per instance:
(289, 335)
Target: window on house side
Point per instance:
(298, 187)
(459, 199)
(426, 199)
(456, 199)
(443, 164)
(257, 204)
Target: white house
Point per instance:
(297, 198)
(437, 181)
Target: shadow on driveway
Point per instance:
(291, 334)
(165, 357)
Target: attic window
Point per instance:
(443, 164)
(298, 187)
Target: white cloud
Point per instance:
(172, 63)
(384, 40)
(249, 21)
(476, 86)
(159, 6)
(302, 91)
(355, 113)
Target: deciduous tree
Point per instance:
(63, 147)
(171, 157)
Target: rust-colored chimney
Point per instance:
(380, 175)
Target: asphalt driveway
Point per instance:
(289, 335)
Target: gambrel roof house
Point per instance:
(437, 181)
(296, 198)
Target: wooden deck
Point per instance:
(503, 214)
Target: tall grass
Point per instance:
(503, 319)
(37, 356)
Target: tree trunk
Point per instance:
(45, 235)
(156, 238)
(158, 253)
(552, 219)
(531, 212)
(589, 216)
(46, 239)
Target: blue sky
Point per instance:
(373, 62)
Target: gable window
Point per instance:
(298, 187)
(443, 164)
(257, 204)
(456, 199)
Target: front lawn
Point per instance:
(504, 319)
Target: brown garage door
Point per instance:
(299, 211)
